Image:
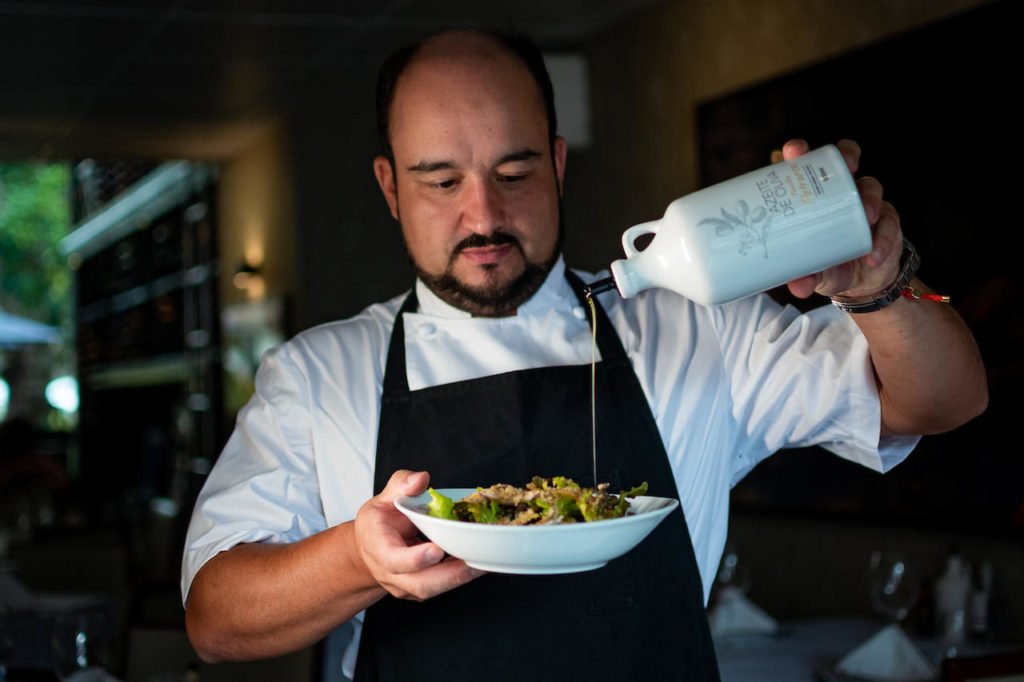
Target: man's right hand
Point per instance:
(261, 599)
(389, 545)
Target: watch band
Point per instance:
(909, 263)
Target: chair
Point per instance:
(1007, 666)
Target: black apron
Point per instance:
(640, 616)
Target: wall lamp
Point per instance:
(248, 278)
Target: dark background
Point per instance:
(932, 111)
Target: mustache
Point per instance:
(475, 241)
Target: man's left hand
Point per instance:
(870, 274)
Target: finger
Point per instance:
(445, 576)
(804, 286)
(887, 242)
(870, 191)
(401, 558)
(388, 543)
(851, 154)
(794, 148)
(403, 482)
(382, 525)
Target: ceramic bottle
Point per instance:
(749, 234)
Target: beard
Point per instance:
(493, 299)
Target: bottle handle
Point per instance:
(631, 235)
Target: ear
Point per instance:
(560, 151)
(385, 174)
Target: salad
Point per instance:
(542, 501)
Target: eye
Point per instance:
(511, 179)
(444, 184)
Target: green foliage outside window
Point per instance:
(34, 216)
(35, 283)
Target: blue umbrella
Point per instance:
(19, 331)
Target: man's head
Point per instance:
(472, 168)
(516, 45)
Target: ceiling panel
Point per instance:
(87, 76)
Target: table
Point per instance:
(807, 651)
(794, 653)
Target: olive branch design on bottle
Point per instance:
(755, 225)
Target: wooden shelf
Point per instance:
(166, 187)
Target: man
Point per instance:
(481, 375)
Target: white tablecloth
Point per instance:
(802, 651)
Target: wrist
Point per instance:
(354, 572)
(909, 263)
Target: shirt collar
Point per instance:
(553, 293)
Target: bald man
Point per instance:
(480, 375)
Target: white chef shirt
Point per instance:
(728, 386)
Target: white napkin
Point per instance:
(734, 614)
(889, 655)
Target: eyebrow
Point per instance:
(430, 166)
(521, 155)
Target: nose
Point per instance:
(482, 210)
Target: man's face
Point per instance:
(474, 185)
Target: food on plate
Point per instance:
(542, 501)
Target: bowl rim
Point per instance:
(404, 504)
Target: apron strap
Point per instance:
(397, 383)
(609, 344)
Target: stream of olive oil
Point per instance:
(593, 381)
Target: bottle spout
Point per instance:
(599, 287)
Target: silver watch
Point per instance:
(909, 263)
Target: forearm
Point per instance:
(930, 374)
(263, 600)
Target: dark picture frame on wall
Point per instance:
(933, 114)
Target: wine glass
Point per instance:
(892, 585)
(731, 572)
(6, 642)
(732, 580)
(79, 641)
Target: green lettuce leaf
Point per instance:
(439, 505)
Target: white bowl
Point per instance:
(537, 550)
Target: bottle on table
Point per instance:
(979, 608)
(952, 591)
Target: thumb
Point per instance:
(404, 482)
(794, 148)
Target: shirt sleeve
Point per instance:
(264, 487)
(802, 379)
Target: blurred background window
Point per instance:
(35, 292)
